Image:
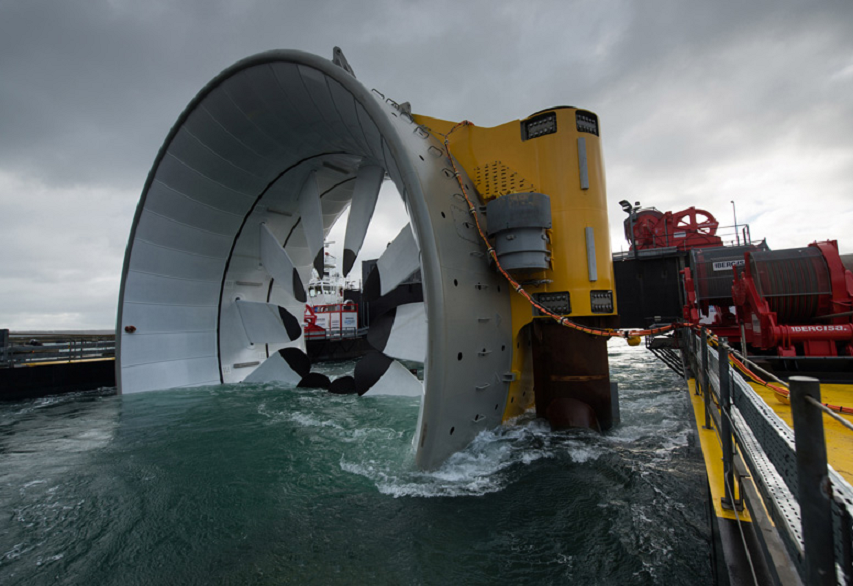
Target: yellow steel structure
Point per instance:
(567, 166)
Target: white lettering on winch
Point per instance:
(725, 265)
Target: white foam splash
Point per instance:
(298, 417)
(479, 469)
(583, 452)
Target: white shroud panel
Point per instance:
(284, 139)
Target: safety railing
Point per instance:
(738, 235)
(802, 507)
(735, 235)
(23, 348)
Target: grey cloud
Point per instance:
(696, 101)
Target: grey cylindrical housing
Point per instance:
(518, 222)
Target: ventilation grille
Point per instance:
(495, 179)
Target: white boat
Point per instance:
(327, 313)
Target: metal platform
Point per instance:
(779, 475)
(37, 364)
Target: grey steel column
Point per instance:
(814, 487)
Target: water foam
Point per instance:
(481, 468)
(373, 440)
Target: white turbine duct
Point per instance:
(286, 140)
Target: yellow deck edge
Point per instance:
(712, 453)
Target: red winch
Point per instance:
(797, 301)
(708, 287)
(690, 228)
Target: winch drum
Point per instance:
(795, 283)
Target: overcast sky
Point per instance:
(700, 103)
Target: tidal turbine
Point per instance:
(255, 172)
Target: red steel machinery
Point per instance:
(796, 301)
(789, 303)
(691, 228)
(708, 287)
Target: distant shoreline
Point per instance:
(62, 332)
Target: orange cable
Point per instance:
(780, 390)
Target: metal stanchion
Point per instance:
(4, 345)
(728, 501)
(814, 486)
(693, 352)
(846, 539)
(706, 390)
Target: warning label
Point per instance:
(726, 265)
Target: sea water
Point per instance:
(268, 484)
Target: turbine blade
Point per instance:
(378, 374)
(312, 219)
(401, 332)
(364, 197)
(399, 261)
(288, 365)
(277, 263)
(315, 380)
(344, 385)
(267, 323)
(401, 295)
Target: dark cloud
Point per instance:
(700, 104)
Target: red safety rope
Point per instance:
(779, 390)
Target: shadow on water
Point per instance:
(266, 484)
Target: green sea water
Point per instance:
(267, 484)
